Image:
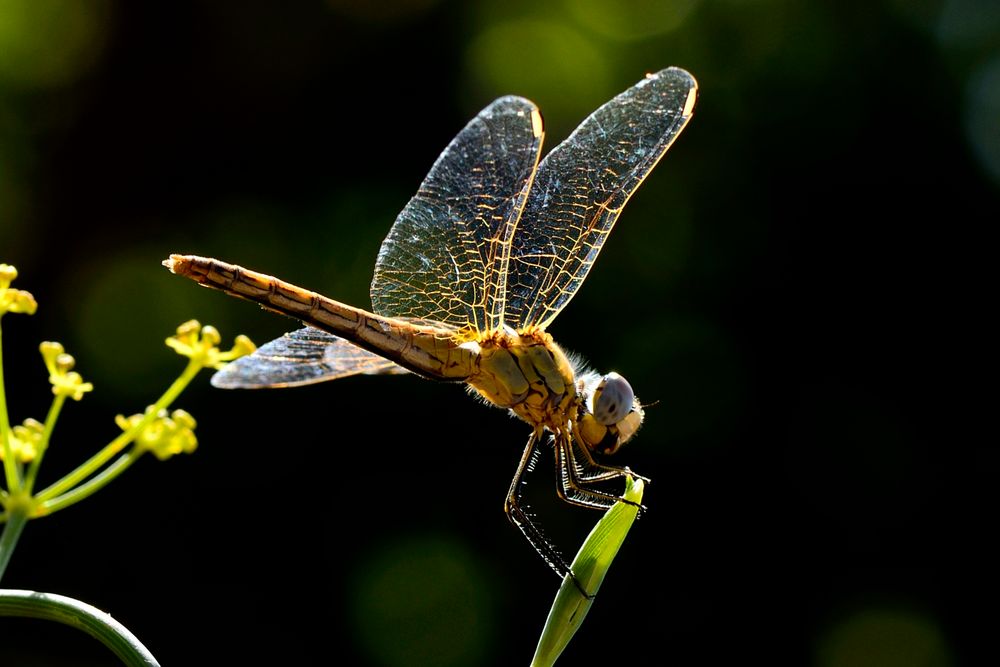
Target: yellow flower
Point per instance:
(14, 300)
(64, 380)
(166, 435)
(201, 344)
(24, 440)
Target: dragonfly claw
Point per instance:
(645, 480)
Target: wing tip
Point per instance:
(681, 76)
(674, 73)
(537, 127)
(689, 103)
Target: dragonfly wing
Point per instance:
(301, 357)
(581, 187)
(446, 256)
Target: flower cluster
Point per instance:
(165, 435)
(24, 441)
(201, 344)
(65, 381)
(14, 300)
(158, 431)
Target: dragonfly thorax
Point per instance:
(528, 373)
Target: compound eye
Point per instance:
(613, 399)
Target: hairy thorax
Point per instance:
(528, 373)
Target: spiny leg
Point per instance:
(520, 518)
(570, 487)
(590, 470)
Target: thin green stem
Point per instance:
(114, 447)
(43, 442)
(10, 470)
(96, 623)
(91, 486)
(17, 518)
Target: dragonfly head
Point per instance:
(612, 413)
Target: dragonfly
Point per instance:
(475, 268)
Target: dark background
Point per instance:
(800, 286)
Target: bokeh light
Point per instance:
(968, 24)
(631, 19)
(111, 299)
(982, 115)
(50, 42)
(550, 63)
(884, 638)
(422, 602)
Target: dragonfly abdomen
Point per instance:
(426, 350)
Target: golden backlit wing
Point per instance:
(581, 187)
(492, 237)
(445, 258)
(301, 357)
(444, 261)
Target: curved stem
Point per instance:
(43, 444)
(10, 470)
(82, 616)
(90, 487)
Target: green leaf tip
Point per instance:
(590, 566)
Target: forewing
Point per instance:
(582, 186)
(446, 256)
(301, 357)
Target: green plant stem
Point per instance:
(10, 470)
(43, 443)
(114, 447)
(96, 623)
(90, 487)
(17, 518)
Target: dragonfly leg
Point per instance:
(574, 489)
(589, 470)
(520, 518)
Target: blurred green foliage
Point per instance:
(877, 637)
(50, 43)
